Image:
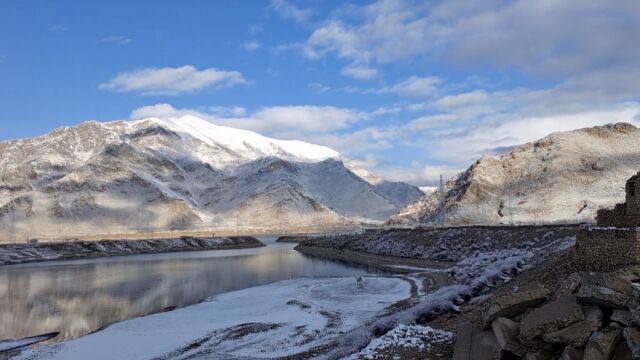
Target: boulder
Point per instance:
(568, 285)
(513, 304)
(602, 344)
(605, 290)
(506, 333)
(621, 316)
(539, 355)
(578, 333)
(551, 317)
(572, 353)
(622, 352)
(632, 337)
(634, 304)
(475, 344)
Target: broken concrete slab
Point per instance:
(475, 344)
(513, 304)
(632, 337)
(578, 333)
(506, 332)
(551, 317)
(602, 344)
(605, 290)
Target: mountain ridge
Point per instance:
(181, 173)
(563, 177)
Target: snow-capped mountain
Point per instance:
(181, 173)
(564, 177)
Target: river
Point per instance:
(77, 297)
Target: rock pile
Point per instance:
(588, 316)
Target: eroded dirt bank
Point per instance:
(23, 253)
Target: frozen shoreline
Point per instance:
(66, 250)
(285, 318)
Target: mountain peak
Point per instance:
(245, 142)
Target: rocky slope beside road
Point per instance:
(563, 178)
(23, 253)
(586, 316)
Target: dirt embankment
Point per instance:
(433, 248)
(23, 253)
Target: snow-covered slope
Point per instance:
(180, 173)
(565, 177)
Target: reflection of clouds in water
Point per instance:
(81, 298)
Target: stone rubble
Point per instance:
(590, 316)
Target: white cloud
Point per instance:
(291, 122)
(428, 175)
(172, 81)
(529, 35)
(473, 98)
(303, 118)
(225, 111)
(359, 72)
(251, 45)
(157, 110)
(117, 40)
(467, 143)
(431, 121)
(290, 11)
(414, 86)
(361, 140)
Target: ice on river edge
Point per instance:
(279, 319)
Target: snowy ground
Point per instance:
(413, 338)
(280, 319)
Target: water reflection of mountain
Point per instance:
(80, 298)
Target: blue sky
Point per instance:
(411, 89)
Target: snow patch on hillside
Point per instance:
(250, 144)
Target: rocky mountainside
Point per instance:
(564, 177)
(181, 173)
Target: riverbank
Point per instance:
(6, 238)
(67, 250)
(434, 247)
(387, 263)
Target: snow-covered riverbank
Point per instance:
(64, 250)
(284, 318)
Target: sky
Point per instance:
(409, 89)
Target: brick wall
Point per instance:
(608, 247)
(618, 217)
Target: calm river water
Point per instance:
(76, 297)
